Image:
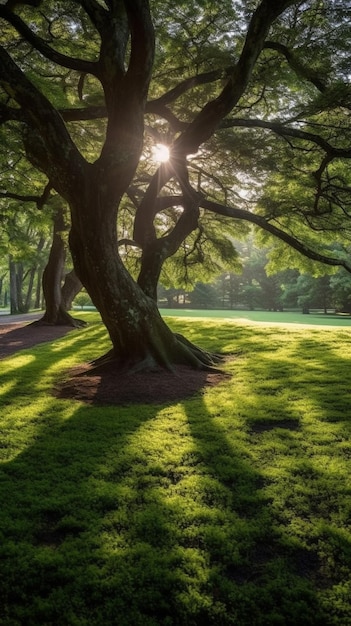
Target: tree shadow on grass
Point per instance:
(300, 411)
(149, 516)
(328, 375)
(102, 525)
(259, 576)
(58, 496)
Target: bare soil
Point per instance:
(21, 335)
(111, 386)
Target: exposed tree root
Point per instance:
(61, 319)
(158, 371)
(205, 357)
(156, 356)
(110, 362)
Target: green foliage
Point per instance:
(203, 296)
(300, 80)
(203, 255)
(231, 507)
(82, 299)
(341, 286)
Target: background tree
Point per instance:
(340, 284)
(253, 287)
(203, 296)
(59, 290)
(25, 239)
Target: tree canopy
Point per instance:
(252, 100)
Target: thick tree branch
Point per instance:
(144, 229)
(47, 141)
(188, 220)
(83, 113)
(190, 83)
(41, 46)
(98, 15)
(142, 46)
(100, 112)
(210, 117)
(286, 131)
(260, 221)
(115, 33)
(163, 111)
(307, 73)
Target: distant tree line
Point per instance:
(255, 288)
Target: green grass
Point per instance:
(270, 317)
(230, 508)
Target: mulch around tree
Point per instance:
(21, 335)
(111, 387)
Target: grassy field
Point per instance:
(230, 508)
(265, 317)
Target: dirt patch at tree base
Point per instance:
(112, 386)
(147, 386)
(21, 336)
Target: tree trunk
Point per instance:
(14, 308)
(38, 289)
(28, 301)
(151, 266)
(70, 289)
(16, 287)
(140, 338)
(2, 292)
(19, 287)
(55, 312)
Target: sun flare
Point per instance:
(160, 153)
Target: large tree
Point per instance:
(217, 74)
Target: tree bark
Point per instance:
(140, 338)
(19, 278)
(55, 312)
(38, 289)
(14, 306)
(70, 289)
(28, 300)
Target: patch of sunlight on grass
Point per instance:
(95, 335)
(21, 427)
(6, 387)
(16, 362)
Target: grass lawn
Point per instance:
(265, 317)
(230, 508)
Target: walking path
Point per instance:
(19, 319)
